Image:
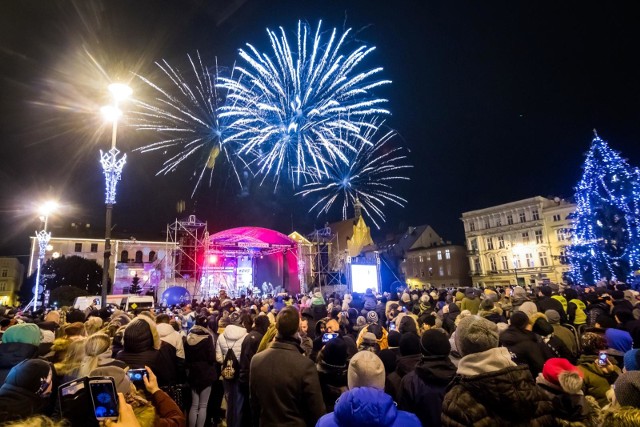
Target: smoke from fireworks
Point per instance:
(300, 108)
(367, 178)
(184, 115)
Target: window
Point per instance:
(492, 264)
(505, 262)
(472, 226)
(538, 236)
(487, 224)
(139, 256)
(473, 244)
(529, 258)
(5, 272)
(428, 257)
(476, 265)
(94, 247)
(535, 215)
(124, 256)
(489, 243)
(439, 255)
(516, 261)
(498, 221)
(152, 256)
(421, 259)
(525, 237)
(3, 287)
(447, 254)
(441, 271)
(510, 219)
(78, 247)
(543, 259)
(500, 242)
(556, 217)
(448, 270)
(562, 236)
(523, 217)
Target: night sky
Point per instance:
(495, 100)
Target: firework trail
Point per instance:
(367, 178)
(184, 116)
(301, 109)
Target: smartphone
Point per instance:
(137, 375)
(75, 403)
(392, 326)
(104, 398)
(329, 336)
(603, 360)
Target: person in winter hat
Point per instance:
(618, 342)
(26, 390)
(373, 327)
(563, 382)
(422, 390)
(490, 389)
(19, 342)
(567, 337)
(366, 403)
(332, 371)
(409, 357)
(625, 408)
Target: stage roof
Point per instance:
(251, 237)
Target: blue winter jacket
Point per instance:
(367, 406)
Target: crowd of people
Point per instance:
(512, 356)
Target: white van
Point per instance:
(136, 302)
(82, 303)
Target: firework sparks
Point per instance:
(301, 108)
(367, 178)
(184, 116)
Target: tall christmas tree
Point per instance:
(135, 287)
(606, 239)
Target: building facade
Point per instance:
(521, 242)
(129, 257)
(11, 276)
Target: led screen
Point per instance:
(363, 277)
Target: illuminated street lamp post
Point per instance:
(112, 167)
(43, 241)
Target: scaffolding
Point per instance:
(327, 262)
(186, 244)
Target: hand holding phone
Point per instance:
(328, 337)
(137, 375)
(103, 396)
(602, 360)
(150, 381)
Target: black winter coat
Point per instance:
(404, 365)
(526, 347)
(13, 353)
(200, 358)
(548, 303)
(333, 382)
(249, 349)
(504, 398)
(422, 391)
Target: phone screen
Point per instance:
(602, 359)
(105, 401)
(137, 375)
(329, 336)
(392, 326)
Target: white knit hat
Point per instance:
(366, 370)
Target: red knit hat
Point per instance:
(555, 366)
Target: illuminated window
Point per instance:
(439, 255)
(529, 258)
(441, 271)
(538, 236)
(516, 261)
(562, 236)
(421, 260)
(447, 254)
(489, 243)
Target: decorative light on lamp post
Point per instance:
(112, 167)
(43, 237)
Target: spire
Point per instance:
(357, 208)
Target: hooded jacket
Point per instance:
(404, 365)
(13, 353)
(596, 382)
(571, 407)
(171, 336)
(367, 406)
(422, 390)
(490, 391)
(525, 346)
(232, 337)
(200, 358)
(140, 345)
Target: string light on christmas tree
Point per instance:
(606, 239)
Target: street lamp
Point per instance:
(43, 241)
(112, 167)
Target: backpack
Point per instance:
(230, 365)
